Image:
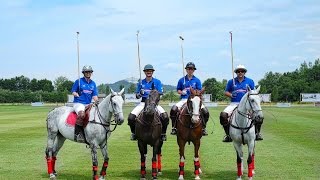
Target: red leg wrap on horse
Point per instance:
(253, 161)
(53, 162)
(105, 164)
(143, 172)
(159, 162)
(143, 164)
(96, 177)
(239, 169)
(49, 165)
(250, 168)
(154, 164)
(181, 166)
(95, 168)
(196, 167)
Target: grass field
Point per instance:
(291, 149)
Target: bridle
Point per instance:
(102, 119)
(248, 115)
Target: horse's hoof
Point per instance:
(250, 178)
(52, 177)
(101, 178)
(159, 172)
(181, 177)
(239, 178)
(197, 177)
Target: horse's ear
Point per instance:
(122, 90)
(191, 90)
(258, 89)
(202, 90)
(112, 91)
(248, 88)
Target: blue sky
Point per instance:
(38, 38)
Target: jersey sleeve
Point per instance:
(180, 84)
(95, 90)
(75, 86)
(229, 86)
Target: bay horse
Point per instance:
(242, 130)
(189, 129)
(148, 132)
(97, 131)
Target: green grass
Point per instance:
(291, 149)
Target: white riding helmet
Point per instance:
(240, 66)
(87, 68)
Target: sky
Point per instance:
(38, 38)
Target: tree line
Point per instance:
(284, 87)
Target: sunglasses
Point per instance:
(240, 71)
(88, 72)
(189, 68)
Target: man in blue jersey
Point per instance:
(183, 88)
(235, 90)
(142, 91)
(84, 91)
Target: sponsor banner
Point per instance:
(265, 97)
(206, 97)
(131, 98)
(283, 104)
(70, 98)
(37, 104)
(310, 97)
(210, 104)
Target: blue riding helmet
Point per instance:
(191, 65)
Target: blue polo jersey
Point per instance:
(240, 87)
(186, 83)
(148, 86)
(87, 91)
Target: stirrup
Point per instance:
(163, 137)
(133, 137)
(259, 137)
(227, 138)
(79, 138)
(173, 131)
(204, 132)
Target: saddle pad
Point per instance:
(71, 119)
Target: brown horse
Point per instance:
(189, 129)
(148, 132)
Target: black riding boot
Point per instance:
(205, 117)
(226, 125)
(258, 134)
(174, 116)
(164, 121)
(78, 129)
(132, 124)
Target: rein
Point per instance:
(107, 125)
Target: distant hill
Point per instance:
(127, 83)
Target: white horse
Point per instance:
(242, 130)
(97, 131)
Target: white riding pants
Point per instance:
(78, 107)
(229, 109)
(136, 111)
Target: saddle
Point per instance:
(72, 117)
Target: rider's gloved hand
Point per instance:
(96, 103)
(184, 92)
(234, 94)
(138, 95)
(142, 91)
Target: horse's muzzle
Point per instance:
(119, 118)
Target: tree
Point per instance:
(62, 84)
(121, 87)
(46, 85)
(132, 88)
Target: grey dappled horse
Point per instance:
(242, 130)
(96, 132)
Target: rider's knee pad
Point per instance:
(224, 118)
(164, 118)
(258, 121)
(205, 114)
(174, 111)
(131, 119)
